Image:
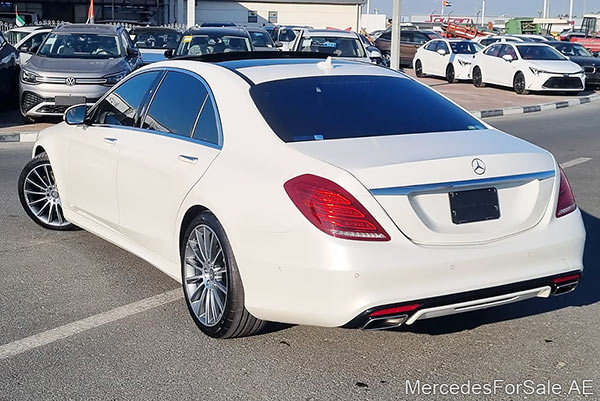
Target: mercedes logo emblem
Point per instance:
(478, 166)
(70, 81)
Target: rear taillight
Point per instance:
(395, 310)
(333, 210)
(566, 199)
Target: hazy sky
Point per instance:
(493, 7)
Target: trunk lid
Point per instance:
(411, 177)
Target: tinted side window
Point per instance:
(493, 51)
(431, 45)
(176, 104)
(386, 35)
(121, 106)
(443, 45)
(206, 127)
(420, 38)
(508, 50)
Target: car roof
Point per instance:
(527, 43)
(154, 29)
(87, 28)
(266, 70)
(30, 28)
(329, 32)
(234, 31)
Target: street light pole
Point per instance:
(571, 11)
(396, 19)
(482, 12)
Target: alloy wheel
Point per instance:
(205, 275)
(42, 197)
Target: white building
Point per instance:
(316, 13)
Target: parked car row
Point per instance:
(524, 65)
(78, 63)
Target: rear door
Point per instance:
(159, 163)
(441, 61)
(490, 64)
(508, 68)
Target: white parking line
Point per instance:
(575, 162)
(70, 329)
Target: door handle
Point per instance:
(110, 141)
(188, 159)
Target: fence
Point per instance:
(6, 26)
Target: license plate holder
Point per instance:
(474, 205)
(69, 100)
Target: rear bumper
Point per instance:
(307, 277)
(375, 318)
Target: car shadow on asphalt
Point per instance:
(587, 293)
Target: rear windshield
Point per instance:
(319, 108)
(335, 46)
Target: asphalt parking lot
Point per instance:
(55, 280)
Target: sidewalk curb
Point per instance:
(535, 108)
(19, 137)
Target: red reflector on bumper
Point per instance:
(564, 279)
(395, 310)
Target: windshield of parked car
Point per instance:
(324, 107)
(572, 49)
(156, 40)
(13, 37)
(261, 39)
(81, 45)
(334, 46)
(539, 53)
(286, 35)
(197, 45)
(464, 47)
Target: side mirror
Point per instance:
(596, 54)
(169, 53)
(507, 57)
(374, 53)
(24, 49)
(75, 115)
(442, 52)
(278, 44)
(132, 52)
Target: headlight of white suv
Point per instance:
(29, 77)
(114, 78)
(537, 71)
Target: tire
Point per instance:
(519, 84)
(450, 75)
(39, 195)
(214, 286)
(419, 69)
(478, 78)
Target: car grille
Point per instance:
(589, 69)
(563, 83)
(30, 100)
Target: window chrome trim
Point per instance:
(509, 179)
(160, 133)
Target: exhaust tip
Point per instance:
(385, 323)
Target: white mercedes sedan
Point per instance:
(254, 184)
(448, 58)
(527, 66)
